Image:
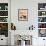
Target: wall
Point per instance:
(32, 6)
(32, 13)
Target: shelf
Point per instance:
(4, 19)
(42, 16)
(3, 22)
(3, 10)
(41, 22)
(41, 28)
(42, 19)
(41, 10)
(3, 16)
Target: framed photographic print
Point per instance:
(23, 14)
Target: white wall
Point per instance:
(32, 13)
(32, 6)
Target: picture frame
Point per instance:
(23, 14)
